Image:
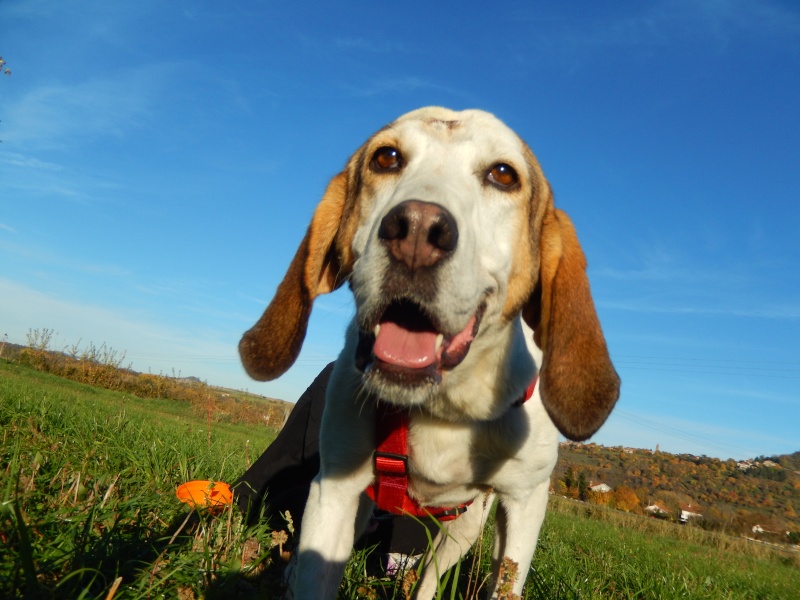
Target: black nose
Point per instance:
(419, 234)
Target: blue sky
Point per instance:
(160, 161)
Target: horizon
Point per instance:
(159, 165)
(562, 441)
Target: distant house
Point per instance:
(760, 529)
(602, 488)
(689, 511)
(656, 510)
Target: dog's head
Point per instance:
(444, 225)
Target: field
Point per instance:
(88, 510)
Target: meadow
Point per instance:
(88, 510)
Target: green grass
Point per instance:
(87, 492)
(595, 552)
(87, 502)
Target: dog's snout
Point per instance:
(419, 234)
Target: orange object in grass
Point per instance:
(213, 495)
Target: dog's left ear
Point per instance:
(271, 346)
(578, 383)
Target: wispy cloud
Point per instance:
(61, 115)
(662, 273)
(369, 45)
(36, 178)
(767, 312)
(45, 258)
(658, 280)
(683, 435)
(726, 18)
(150, 343)
(15, 159)
(656, 261)
(759, 395)
(401, 85)
(7, 228)
(659, 24)
(206, 354)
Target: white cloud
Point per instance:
(401, 85)
(360, 44)
(149, 344)
(28, 162)
(66, 114)
(46, 258)
(158, 347)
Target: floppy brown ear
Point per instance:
(578, 383)
(271, 346)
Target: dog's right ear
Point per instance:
(271, 346)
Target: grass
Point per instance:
(88, 510)
(595, 552)
(87, 493)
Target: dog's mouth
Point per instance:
(407, 347)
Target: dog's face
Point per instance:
(444, 226)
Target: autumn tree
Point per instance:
(601, 498)
(569, 477)
(625, 499)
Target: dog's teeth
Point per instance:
(439, 340)
(377, 329)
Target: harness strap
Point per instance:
(390, 488)
(528, 393)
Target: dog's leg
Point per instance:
(452, 542)
(518, 522)
(335, 511)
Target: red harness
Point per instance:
(390, 488)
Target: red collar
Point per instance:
(528, 393)
(390, 488)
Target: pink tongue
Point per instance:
(411, 349)
(417, 349)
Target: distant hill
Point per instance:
(103, 367)
(759, 497)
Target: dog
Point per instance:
(474, 327)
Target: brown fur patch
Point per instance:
(578, 383)
(525, 263)
(271, 346)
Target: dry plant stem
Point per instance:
(109, 490)
(209, 409)
(114, 587)
(171, 540)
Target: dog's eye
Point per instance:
(502, 176)
(386, 158)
